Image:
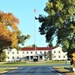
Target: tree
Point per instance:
(3, 56)
(59, 22)
(73, 59)
(22, 38)
(10, 35)
(45, 55)
(34, 45)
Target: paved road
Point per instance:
(34, 70)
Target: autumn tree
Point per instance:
(10, 35)
(60, 23)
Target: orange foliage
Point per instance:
(14, 39)
(8, 36)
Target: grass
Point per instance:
(2, 70)
(55, 62)
(31, 63)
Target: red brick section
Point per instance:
(37, 48)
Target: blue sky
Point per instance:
(24, 11)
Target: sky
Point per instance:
(24, 11)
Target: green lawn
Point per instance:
(2, 69)
(6, 69)
(31, 63)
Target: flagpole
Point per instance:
(34, 30)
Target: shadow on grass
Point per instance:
(64, 70)
(70, 69)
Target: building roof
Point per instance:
(37, 48)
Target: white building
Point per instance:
(36, 54)
(58, 54)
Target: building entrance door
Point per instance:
(35, 58)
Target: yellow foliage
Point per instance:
(14, 39)
(73, 1)
(52, 12)
(73, 54)
(71, 10)
(59, 5)
(61, 20)
(6, 34)
(73, 58)
(49, 4)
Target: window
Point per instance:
(31, 52)
(54, 56)
(58, 56)
(36, 52)
(45, 53)
(63, 56)
(23, 52)
(13, 57)
(8, 57)
(40, 52)
(12, 52)
(17, 57)
(54, 51)
(18, 52)
(27, 52)
(8, 52)
(58, 51)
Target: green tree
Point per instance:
(45, 55)
(3, 56)
(22, 38)
(60, 23)
(34, 45)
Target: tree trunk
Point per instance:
(0, 51)
(0, 55)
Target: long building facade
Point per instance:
(36, 54)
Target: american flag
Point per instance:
(34, 10)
